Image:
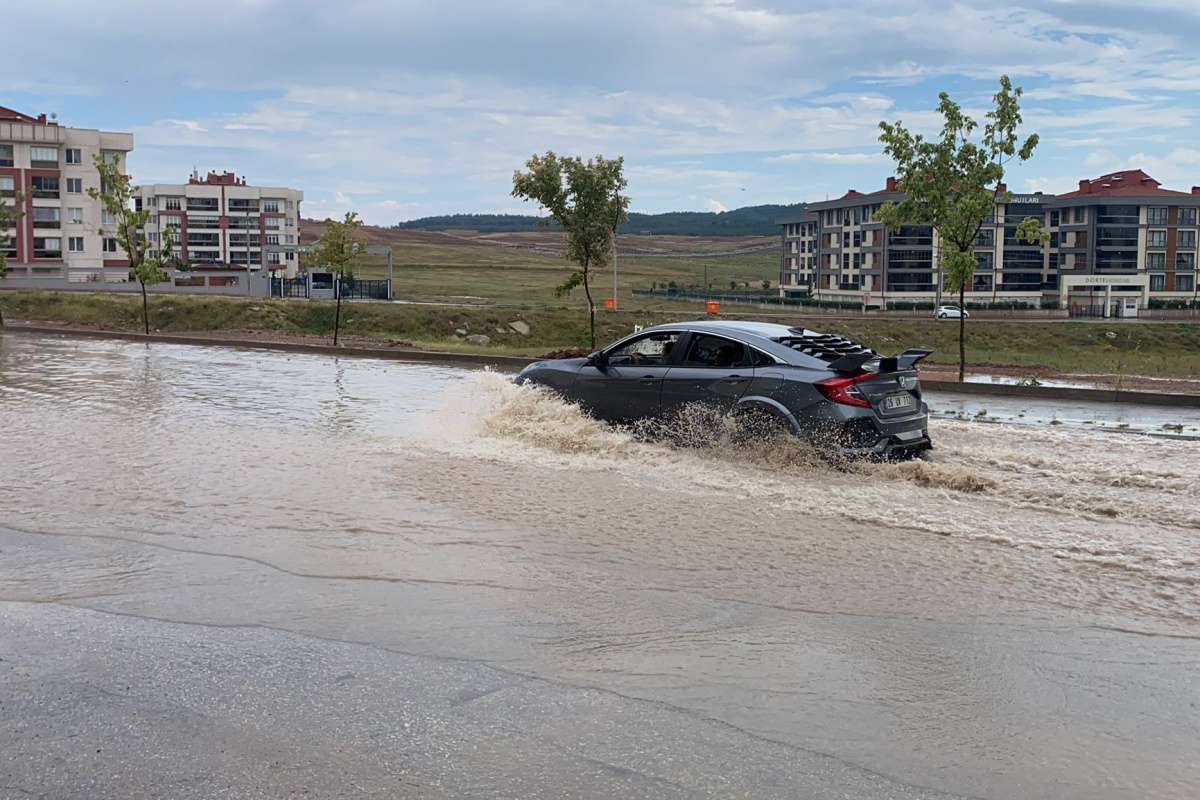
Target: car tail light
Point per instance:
(844, 390)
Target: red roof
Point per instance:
(1127, 183)
(8, 115)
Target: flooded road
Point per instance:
(282, 573)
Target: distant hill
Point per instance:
(748, 221)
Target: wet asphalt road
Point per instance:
(230, 573)
(102, 706)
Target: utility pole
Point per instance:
(391, 290)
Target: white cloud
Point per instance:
(830, 158)
(716, 206)
(432, 105)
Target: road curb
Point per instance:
(505, 363)
(515, 363)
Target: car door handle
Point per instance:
(734, 379)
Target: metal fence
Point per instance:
(354, 289)
(289, 287)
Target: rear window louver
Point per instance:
(824, 346)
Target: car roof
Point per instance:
(767, 330)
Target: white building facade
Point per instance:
(60, 232)
(220, 221)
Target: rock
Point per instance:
(520, 326)
(479, 339)
(460, 332)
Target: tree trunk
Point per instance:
(145, 310)
(962, 332)
(337, 314)
(587, 290)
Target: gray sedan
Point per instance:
(819, 386)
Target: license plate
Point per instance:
(896, 401)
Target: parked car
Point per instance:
(819, 386)
(951, 312)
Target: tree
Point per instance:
(952, 183)
(585, 199)
(147, 264)
(10, 217)
(337, 249)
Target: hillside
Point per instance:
(747, 221)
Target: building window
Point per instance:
(75, 244)
(1156, 239)
(271, 206)
(1185, 283)
(46, 217)
(273, 222)
(857, 239)
(1187, 216)
(272, 238)
(110, 245)
(1156, 215)
(74, 185)
(1156, 261)
(6, 155)
(1158, 283)
(1080, 214)
(857, 260)
(48, 247)
(44, 188)
(43, 156)
(173, 204)
(107, 218)
(984, 261)
(75, 216)
(8, 186)
(1054, 238)
(1185, 261)
(74, 155)
(1118, 215)
(845, 261)
(1186, 240)
(846, 239)
(1053, 219)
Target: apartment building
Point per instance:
(797, 269)
(221, 221)
(1117, 236)
(60, 232)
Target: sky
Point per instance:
(406, 109)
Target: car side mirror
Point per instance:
(598, 359)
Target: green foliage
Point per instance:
(339, 246)
(746, 221)
(9, 217)
(951, 181)
(585, 199)
(147, 264)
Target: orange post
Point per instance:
(712, 307)
(610, 304)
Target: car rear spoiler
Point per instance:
(856, 362)
(906, 360)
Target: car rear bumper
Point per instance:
(872, 437)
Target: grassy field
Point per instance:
(522, 269)
(1167, 350)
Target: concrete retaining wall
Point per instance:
(256, 284)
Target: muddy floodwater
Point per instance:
(240, 573)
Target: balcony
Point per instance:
(204, 204)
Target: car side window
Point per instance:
(706, 350)
(651, 350)
(760, 359)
